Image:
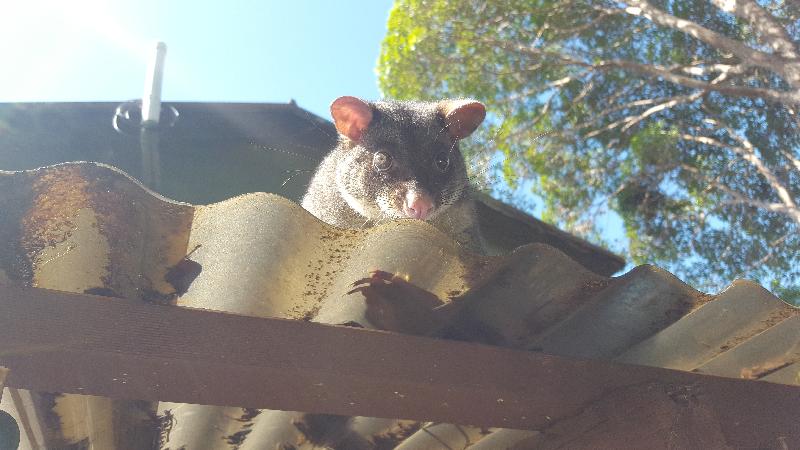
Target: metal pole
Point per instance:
(151, 102)
(151, 114)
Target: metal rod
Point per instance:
(151, 101)
(151, 114)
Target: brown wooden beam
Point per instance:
(62, 342)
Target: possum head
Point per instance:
(402, 158)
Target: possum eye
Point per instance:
(382, 161)
(441, 161)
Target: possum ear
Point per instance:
(351, 116)
(462, 117)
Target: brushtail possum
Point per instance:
(395, 160)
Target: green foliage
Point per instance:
(540, 65)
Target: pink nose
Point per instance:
(417, 205)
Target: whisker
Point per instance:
(310, 118)
(453, 147)
(285, 152)
(295, 172)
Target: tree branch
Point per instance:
(612, 109)
(738, 197)
(631, 121)
(761, 261)
(795, 162)
(674, 101)
(644, 9)
(669, 103)
(746, 151)
(749, 154)
(701, 68)
(772, 32)
(770, 95)
(654, 71)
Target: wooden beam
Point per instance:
(62, 342)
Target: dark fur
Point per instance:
(413, 133)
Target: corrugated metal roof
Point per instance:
(215, 151)
(89, 228)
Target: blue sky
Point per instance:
(237, 51)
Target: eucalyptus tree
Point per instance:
(679, 115)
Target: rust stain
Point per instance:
(773, 319)
(592, 286)
(766, 368)
(149, 236)
(321, 274)
(702, 298)
(59, 194)
(393, 437)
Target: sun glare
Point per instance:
(96, 18)
(47, 38)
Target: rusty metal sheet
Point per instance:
(88, 228)
(767, 352)
(738, 314)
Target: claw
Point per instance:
(358, 289)
(376, 278)
(376, 275)
(394, 303)
(382, 274)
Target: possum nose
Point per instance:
(417, 205)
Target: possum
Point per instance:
(399, 160)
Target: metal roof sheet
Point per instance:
(89, 228)
(215, 151)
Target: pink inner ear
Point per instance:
(352, 116)
(463, 117)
